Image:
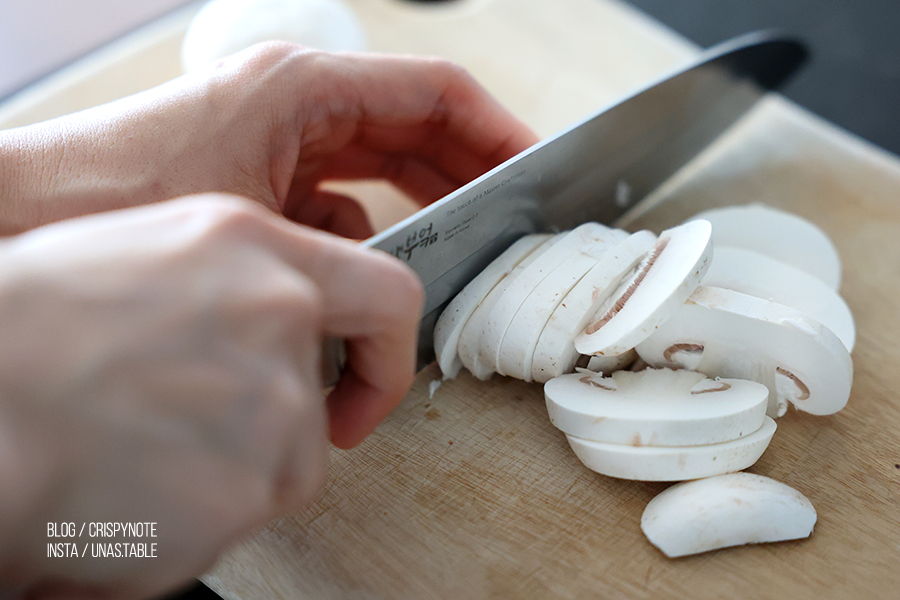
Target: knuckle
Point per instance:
(225, 214)
(262, 58)
(451, 69)
(290, 302)
(308, 302)
(458, 74)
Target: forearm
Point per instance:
(146, 148)
(18, 182)
(57, 170)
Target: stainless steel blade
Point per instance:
(594, 170)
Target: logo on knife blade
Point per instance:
(422, 238)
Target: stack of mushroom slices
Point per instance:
(661, 424)
(716, 349)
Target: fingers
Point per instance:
(375, 303)
(427, 143)
(393, 109)
(400, 92)
(372, 301)
(416, 178)
(375, 306)
(329, 211)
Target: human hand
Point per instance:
(161, 364)
(270, 124)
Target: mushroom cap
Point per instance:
(505, 301)
(554, 353)
(658, 286)
(779, 234)
(726, 510)
(515, 355)
(743, 337)
(452, 320)
(223, 27)
(750, 272)
(655, 407)
(672, 463)
(470, 337)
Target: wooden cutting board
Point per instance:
(471, 493)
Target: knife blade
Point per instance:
(594, 170)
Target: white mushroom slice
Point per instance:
(584, 245)
(554, 353)
(472, 331)
(451, 322)
(724, 333)
(728, 510)
(750, 272)
(779, 234)
(672, 463)
(655, 289)
(655, 407)
(515, 356)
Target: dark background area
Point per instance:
(853, 78)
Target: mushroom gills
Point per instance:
(611, 364)
(724, 511)
(655, 407)
(656, 288)
(801, 361)
(779, 234)
(452, 320)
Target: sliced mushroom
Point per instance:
(516, 352)
(654, 290)
(743, 337)
(655, 407)
(610, 364)
(673, 463)
(750, 272)
(587, 241)
(474, 327)
(451, 322)
(728, 510)
(554, 352)
(779, 234)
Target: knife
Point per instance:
(594, 170)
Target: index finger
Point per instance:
(382, 102)
(372, 301)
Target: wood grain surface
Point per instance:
(472, 493)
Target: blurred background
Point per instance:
(39, 36)
(854, 79)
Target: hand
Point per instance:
(162, 364)
(270, 124)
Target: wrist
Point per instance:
(19, 183)
(60, 169)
